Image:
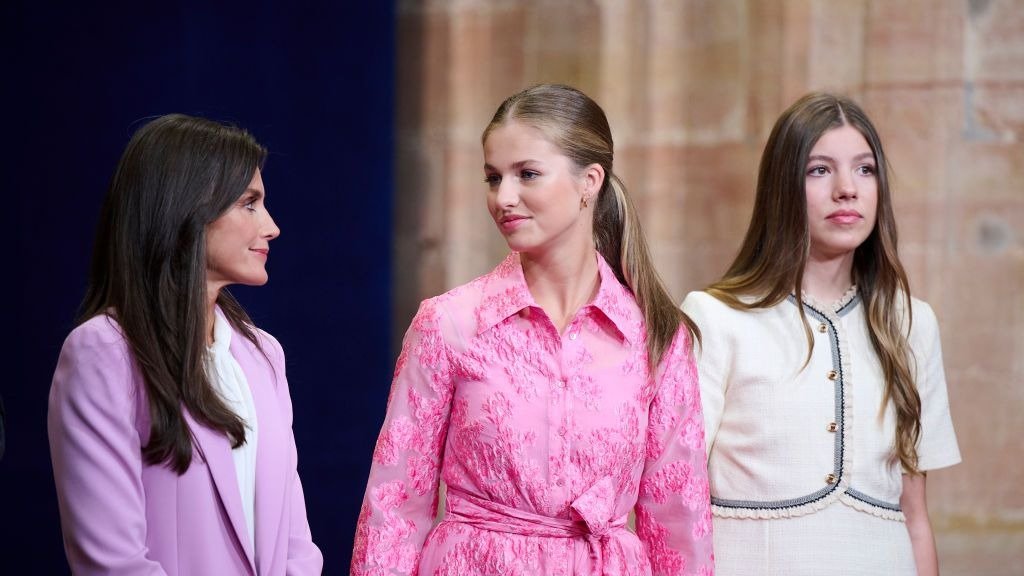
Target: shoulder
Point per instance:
(98, 337)
(461, 306)
(96, 366)
(701, 302)
(249, 357)
(704, 308)
(453, 308)
(924, 324)
(923, 313)
(268, 342)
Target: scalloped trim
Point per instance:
(805, 509)
(833, 307)
(773, 513)
(873, 510)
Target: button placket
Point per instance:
(829, 328)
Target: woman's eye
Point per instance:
(817, 171)
(492, 179)
(866, 170)
(528, 175)
(250, 205)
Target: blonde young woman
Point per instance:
(821, 377)
(554, 394)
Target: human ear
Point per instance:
(592, 179)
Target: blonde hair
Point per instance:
(770, 263)
(578, 127)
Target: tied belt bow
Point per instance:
(589, 519)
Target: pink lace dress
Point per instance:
(546, 441)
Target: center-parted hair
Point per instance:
(177, 175)
(770, 263)
(577, 126)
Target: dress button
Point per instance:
(822, 328)
(830, 479)
(560, 384)
(832, 375)
(562, 431)
(572, 335)
(832, 427)
(561, 482)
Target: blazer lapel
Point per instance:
(216, 451)
(272, 459)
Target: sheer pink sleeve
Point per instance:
(401, 494)
(673, 512)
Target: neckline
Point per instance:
(835, 306)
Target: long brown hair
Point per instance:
(578, 127)
(177, 175)
(770, 263)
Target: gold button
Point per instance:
(830, 479)
(832, 375)
(822, 328)
(831, 427)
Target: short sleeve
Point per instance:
(712, 360)
(937, 447)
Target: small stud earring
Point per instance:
(585, 201)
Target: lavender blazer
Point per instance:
(122, 516)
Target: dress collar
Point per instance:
(840, 307)
(505, 293)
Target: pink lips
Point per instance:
(510, 222)
(845, 217)
(265, 252)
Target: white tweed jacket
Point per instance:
(787, 439)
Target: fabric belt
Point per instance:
(589, 519)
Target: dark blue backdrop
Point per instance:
(315, 84)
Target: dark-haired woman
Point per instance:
(169, 414)
(821, 377)
(554, 394)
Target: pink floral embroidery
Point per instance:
(395, 438)
(571, 427)
(656, 537)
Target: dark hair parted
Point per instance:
(177, 175)
(770, 264)
(574, 123)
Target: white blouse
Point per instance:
(785, 439)
(230, 382)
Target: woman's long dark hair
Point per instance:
(177, 175)
(770, 263)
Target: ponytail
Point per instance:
(620, 240)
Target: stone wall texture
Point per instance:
(691, 88)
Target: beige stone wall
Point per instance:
(691, 89)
